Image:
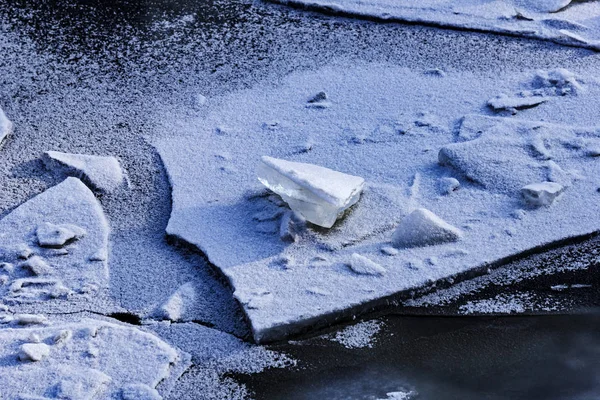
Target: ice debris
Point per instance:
(292, 224)
(51, 235)
(423, 228)
(319, 194)
(542, 194)
(34, 352)
(102, 173)
(448, 185)
(363, 266)
(36, 265)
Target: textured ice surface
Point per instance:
(575, 25)
(89, 359)
(101, 173)
(319, 194)
(39, 251)
(286, 285)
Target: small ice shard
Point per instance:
(36, 265)
(423, 228)
(102, 173)
(542, 194)
(6, 126)
(448, 185)
(389, 251)
(34, 352)
(139, 392)
(51, 235)
(514, 103)
(31, 319)
(291, 226)
(363, 266)
(63, 337)
(176, 306)
(319, 194)
(319, 100)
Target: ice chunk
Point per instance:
(36, 265)
(448, 185)
(317, 193)
(101, 173)
(423, 228)
(319, 100)
(363, 266)
(6, 126)
(34, 352)
(179, 302)
(542, 194)
(140, 392)
(291, 226)
(51, 235)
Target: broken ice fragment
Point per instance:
(504, 102)
(448, 185)
(423, 228)
(291, 226)
(542, 194)
(34, 352)
(6, 126)
(363, 266)
(36, 265)
(51, 235)
(140, 392)
(319, 100)
(101, 173)
(317, 193)
(175, 307)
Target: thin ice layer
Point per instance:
(319, 194)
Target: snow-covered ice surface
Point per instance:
(86, 359)
(402, 145)
(50, 248)
(576, 24)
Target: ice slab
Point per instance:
(46, 246)
(288, 286)
(319, 194)
(84, 360)
(573, 24)
(102, 173)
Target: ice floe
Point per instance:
(239, 225)
(102, 173)
(560, 21)
(47, 242)
(86, 359)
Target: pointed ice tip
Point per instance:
(423, 228)
(319, 194)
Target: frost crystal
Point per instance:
(319, 194)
